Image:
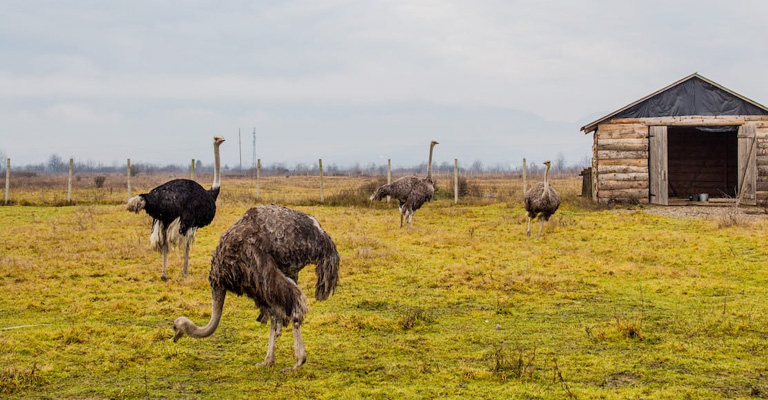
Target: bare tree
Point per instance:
(560, 163)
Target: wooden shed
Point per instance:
(692, 137)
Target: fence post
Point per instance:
(192, 170)
(389, 173)
(7, 180)
(69, 182)
(258, 177)
(128, 176)
(455, 181)
(320, 164)
(525, 180)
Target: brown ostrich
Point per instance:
(260, 256)
(411, 191)
(541, 200)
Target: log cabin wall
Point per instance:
(762, 162)
(620, 158)
(620, 155)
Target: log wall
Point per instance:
(762, 163)
(620, 163)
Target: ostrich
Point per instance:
(411, 191)
(261, 256)
(541, 200)
(178, 208)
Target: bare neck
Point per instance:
(216, 164)
(546, 177)
(216, 308)
(429, 163)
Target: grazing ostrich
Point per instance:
(411, 191)
(541, 200)
(261, 256)
(178, 208)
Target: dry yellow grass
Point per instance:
(607, 304)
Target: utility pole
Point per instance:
(240, 149)
(253, 165)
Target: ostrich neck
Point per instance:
(216, 162)
(216, 308)
(546, 178)
(429, 163)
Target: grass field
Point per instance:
(611, 303)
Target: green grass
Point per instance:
(613, 304)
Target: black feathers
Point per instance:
(184, 199)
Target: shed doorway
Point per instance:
(703, 159)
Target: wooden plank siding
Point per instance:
(620, 153)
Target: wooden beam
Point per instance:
(620, 155)
(637, 162)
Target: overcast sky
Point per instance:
(351, 81)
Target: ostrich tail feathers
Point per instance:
(283, 295)
(327, 272)
(136, 204)
(380, 193)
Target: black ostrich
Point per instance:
(260, 256)
(178, 208)
(541, 200)
(411, 191)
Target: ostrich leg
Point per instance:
(164, 250)
(275, 329)
(529, 227)
(186, 258)
(298, 348)
(541, 226)
(401, 217)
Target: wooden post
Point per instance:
(128, 176)
(192, 170)
(258, 177)
(7, 180)
(69, 181)
(322, 197)
(455, 181)
(389, 173)
(525, 180)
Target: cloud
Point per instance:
(356, 74)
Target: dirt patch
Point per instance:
(710, 212)
(620, 379)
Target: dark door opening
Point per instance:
(703, 160)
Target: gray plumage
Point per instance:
(411, 191)
(260, 256)
(541, 201)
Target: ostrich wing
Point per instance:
(421, 192)
(399, 189)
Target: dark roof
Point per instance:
(692, 95)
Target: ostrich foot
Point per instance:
(164, 278)
(294, 368)
(266, 363)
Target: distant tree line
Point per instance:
(56, 164)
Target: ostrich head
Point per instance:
(217, 140)
(547, 163)
(432, 143)
(180, 327)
